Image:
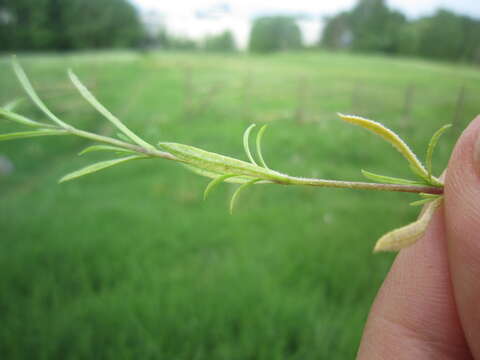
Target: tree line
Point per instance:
(373, 27)
(61, 25)
(68, 24)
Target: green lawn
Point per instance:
(132, 263)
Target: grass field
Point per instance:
(132, 263)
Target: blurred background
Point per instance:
(131, 262)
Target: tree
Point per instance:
(25, 24)
(369, 26)
(471, 45)
(275, 33)
(182, 43)
(68, 24)
(372, 27)
(223, 42)
(443, 36)
(375, 27)
(337, 33)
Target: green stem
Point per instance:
(283, 179)
(365, 185)
(123, 144)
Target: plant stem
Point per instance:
(366, 186)
(289, 180)
(123, 144)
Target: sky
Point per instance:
(198, 18)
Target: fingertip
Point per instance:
(462, 218)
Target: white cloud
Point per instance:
(198, 18)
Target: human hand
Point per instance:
(429, 305)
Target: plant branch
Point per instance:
(367, 186)
(286, 179)
(292, 180)
(122, 144)
(222, 168)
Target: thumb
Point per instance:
(462, 219)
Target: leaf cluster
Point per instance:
(128, 146)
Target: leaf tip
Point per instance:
(379, 247)
(63, 179)
(72, 75)
(388, 243)
(246, 145)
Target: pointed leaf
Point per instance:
(87, 95)
(392, 138)
(431, 147)
(246, 143)
(219, 164)
(389, 180)
(97, 167)
(212, 184)
(105, 148)
(259, 145)
(421, 202)
(429, 196)
(12, 105)
(30, 134)
(20, 119)
(238, 191)
(27, 86)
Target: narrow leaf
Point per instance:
(27, 86)
(20, 119)
(389, 180)
(429, 196)
(97, 167)
(431, 147)
(105, 148)
(30, 134)
(405, 236)
(259, 145)
(219, 164)
(238, 191)
(87, 95)
(12, 105)
(239, 179)
(215, 182)
(246, 143)
(421, 202)
(390, 137)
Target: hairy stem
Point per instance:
(289, 180)
(366, 186)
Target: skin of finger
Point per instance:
(414, 314)
(462, 204)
